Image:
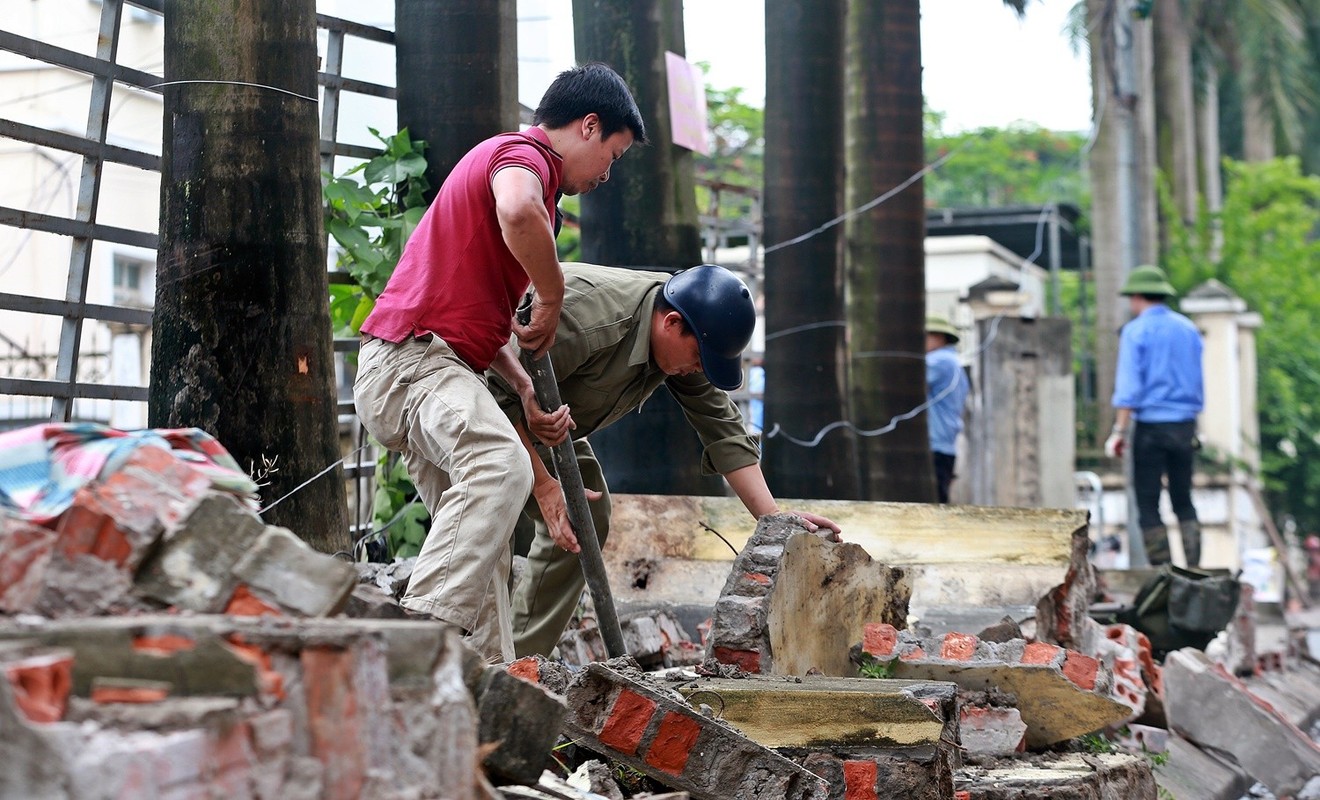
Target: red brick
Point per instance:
(958, 646)
(749, 660)
(246, 604)
(1040, 653)
(962, 794)
(879, 638)
(25, 550)
(88, 529)
(334, 721)
(916, 654)
(163, 645)
(175, 481)
(128, 694)
(859, 779)
(529, 669)
(757, 577)
(1081, 670)
(271, 682)
(628, 718)
(41, 686)
(672, 743)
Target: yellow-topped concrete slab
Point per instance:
(709, 528)
(823, 712)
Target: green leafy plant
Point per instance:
(1096, 743)
(370, 211)
(877, 669)
(370, 220)
(396, 508)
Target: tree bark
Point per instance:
(884, 259)
(457, 67)
(1175, 108)
(805, 358)
(646, 214)
(242, 341)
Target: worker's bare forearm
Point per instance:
(509, 366)
(527, 230)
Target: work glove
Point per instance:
(1115, 444)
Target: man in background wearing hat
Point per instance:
(622, 333)
(946, 393)
(1158, 392)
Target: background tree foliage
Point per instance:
(1271, 258)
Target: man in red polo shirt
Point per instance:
(442, 319)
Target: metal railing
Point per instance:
(61, 378)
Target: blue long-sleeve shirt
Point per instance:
(946, 388)
(1159, 367)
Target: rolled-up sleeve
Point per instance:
(726, 445)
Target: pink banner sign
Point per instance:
(687, 104)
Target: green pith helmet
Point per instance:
(1148, 279)
(936, 324)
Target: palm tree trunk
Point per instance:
(646, 214)
(457, 68)
(806, 371)
(1175, 109)
(242, 343)
(884, 260)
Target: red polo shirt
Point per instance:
(457, 278)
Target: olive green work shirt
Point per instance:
(602, 361)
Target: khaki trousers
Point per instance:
(471, 470)
(547, 594)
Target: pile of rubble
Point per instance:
(159, 640)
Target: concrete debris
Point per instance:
(1067, 776)
(300, 710)
(152, 533)
(1200, 695)
(794, 601)
(1061, 693)
(653, 637)
(613, 710)
(1191, 773)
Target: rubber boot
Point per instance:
(1156, 539)
(1191, 541)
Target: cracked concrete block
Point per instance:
(1065, 776)
(521, 719)
(802, 611)
(613, 711)
(193, 567)
(280, 568)
(1200, 695)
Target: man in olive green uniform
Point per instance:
(622, 333)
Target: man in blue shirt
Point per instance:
(946, 392)
(1158, 387)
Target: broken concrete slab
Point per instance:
(794, 602)
(1191, 773)
(1064, 776)
(25, 550)
(946, 549)
(281, 569)
(823, 712)
(613, 710)
(1061, 693)
(1199, 695)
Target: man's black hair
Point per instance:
(591, 88)
(663, 306)
(1157, 298)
